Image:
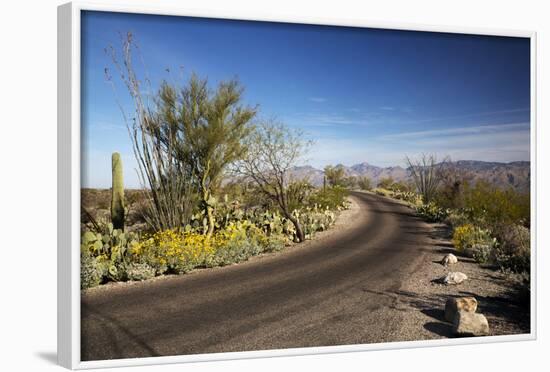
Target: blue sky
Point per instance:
(360, 94)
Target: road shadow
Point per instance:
(117, 336)
(48, 356)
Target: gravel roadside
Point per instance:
(421, 299)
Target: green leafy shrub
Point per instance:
(456, 218)
(364, 183)
(431, 212)
(333, 198)
(475, 242)
(385, 183)
(490, 206)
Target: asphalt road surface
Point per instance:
(321, 293)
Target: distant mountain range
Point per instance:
(516, 174)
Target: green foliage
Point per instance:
(382, 192)
(334, 175)
(212, 128)
(364, 183)
(298, 194)
(385, 183)
(117, 196)
(408, 196)
(490, 206)
(315, 219)
(431, 212)
(456, 218)
(475, 242)
(273, 151)
(109, 250)
(332, 198)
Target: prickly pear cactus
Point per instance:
(117, 198)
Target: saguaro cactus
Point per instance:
(117, 195)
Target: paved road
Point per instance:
(328, 292)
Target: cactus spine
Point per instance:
(117, 196)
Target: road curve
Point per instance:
(330, 292)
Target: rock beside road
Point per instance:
(453, 278)
(449, 259)
(454, 305)
(470, 324)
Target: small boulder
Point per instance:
(449, 259)
(452, 278)
(454, 305)
(470, 324)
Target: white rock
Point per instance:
(455, 277)
(470, 324)
(449, 259)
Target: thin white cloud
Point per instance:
(317, 99)
(457, 131)
(469, 115)
(502, 143)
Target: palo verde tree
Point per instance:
(273, 150)
(183, 139)
(334, 175)
(211, 128)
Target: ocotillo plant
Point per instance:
(117, 195)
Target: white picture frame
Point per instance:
(69, 185)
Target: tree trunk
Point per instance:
(300, 237)
(209, 213)
(211, 222)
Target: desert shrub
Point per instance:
(400, 187)
(173, 251)
(383, 192)
(139, 271)
(514, 251)
(275, 243)
(519, 263)
(298, 194)
(431, 212)
(408, 196)
(385, 183)
(109, 250)
(456, 218)
(514, 239)
(236, 243)
(333, 198)
(364, 183)
(476, 242)
(90, 272)
(491, 206)
(315, 219)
